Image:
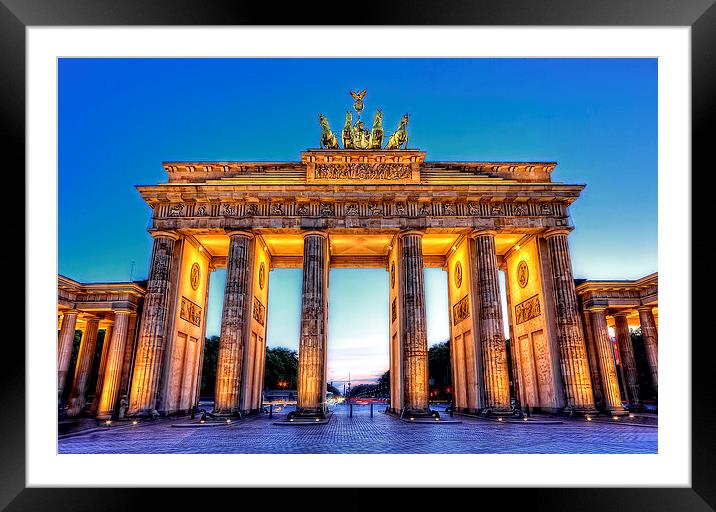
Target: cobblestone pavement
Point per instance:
(362, 434)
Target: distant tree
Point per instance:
(510, 376)
(208, 369)
(439, 370)
(333, 390)
(384, 385)
(281, 368)
(363, 391)
(439, 363)
(642, 365)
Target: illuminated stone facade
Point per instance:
(361, 208)
(621, 306)
(85, 311)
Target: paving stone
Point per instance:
(382, 433)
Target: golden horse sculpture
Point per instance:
(399, 140)
(376, 134)
(347, 134)
(328, 140)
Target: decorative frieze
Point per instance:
(360, 209)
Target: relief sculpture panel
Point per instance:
(363, 171)
(190, 312)
(544, 370)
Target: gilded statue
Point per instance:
(355, 135)
(328, 140)
(399, 140)
(376, 134)
(358, 97)
(361, 137)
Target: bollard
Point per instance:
(270, 410)
(371, 409)
(351, 410)
(452, 408)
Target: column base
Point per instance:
(224, 413)
(616, 412)
(579, 411)
(144, 413)
(496, 411)
(418, 414)
(308, 413)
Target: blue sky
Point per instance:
(120, 118)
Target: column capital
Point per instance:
(621, 314)
(557, 231)
(159, 233)
(483, 232)
(239, 232)
(596, 309)
(645, 308)
(416, 232)
(315, 232)
(69, 312)
(122, 311)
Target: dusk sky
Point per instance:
(120, 118)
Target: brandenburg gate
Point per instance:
(370, 203)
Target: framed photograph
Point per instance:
(420, 248)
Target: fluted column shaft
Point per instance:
(651, 343)
(234, 318)
(113, 367)
(85, 357)
(492, 335)
(626, 350)
(414, 325)
(151, 341)
(591, 347)
(314, 334)
(573, 354)
(607, 367)
(64, 348)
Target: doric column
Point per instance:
(492, 334)
(607, 367)
(314, 333)
(591, 347)
(64, 348)
(234, 318)
(414, 325)
(651, 343)
(102, 365)
(626, 350)
(113, 367)
(85, 357)
(573, 354)
(153, 329)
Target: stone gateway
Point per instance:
(338, 207)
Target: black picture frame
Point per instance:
(700, 15)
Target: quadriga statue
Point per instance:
(328, 140)
(399, 140)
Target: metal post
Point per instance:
(351, 407)
(270, 410)
(371, 409)
(452, 408)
